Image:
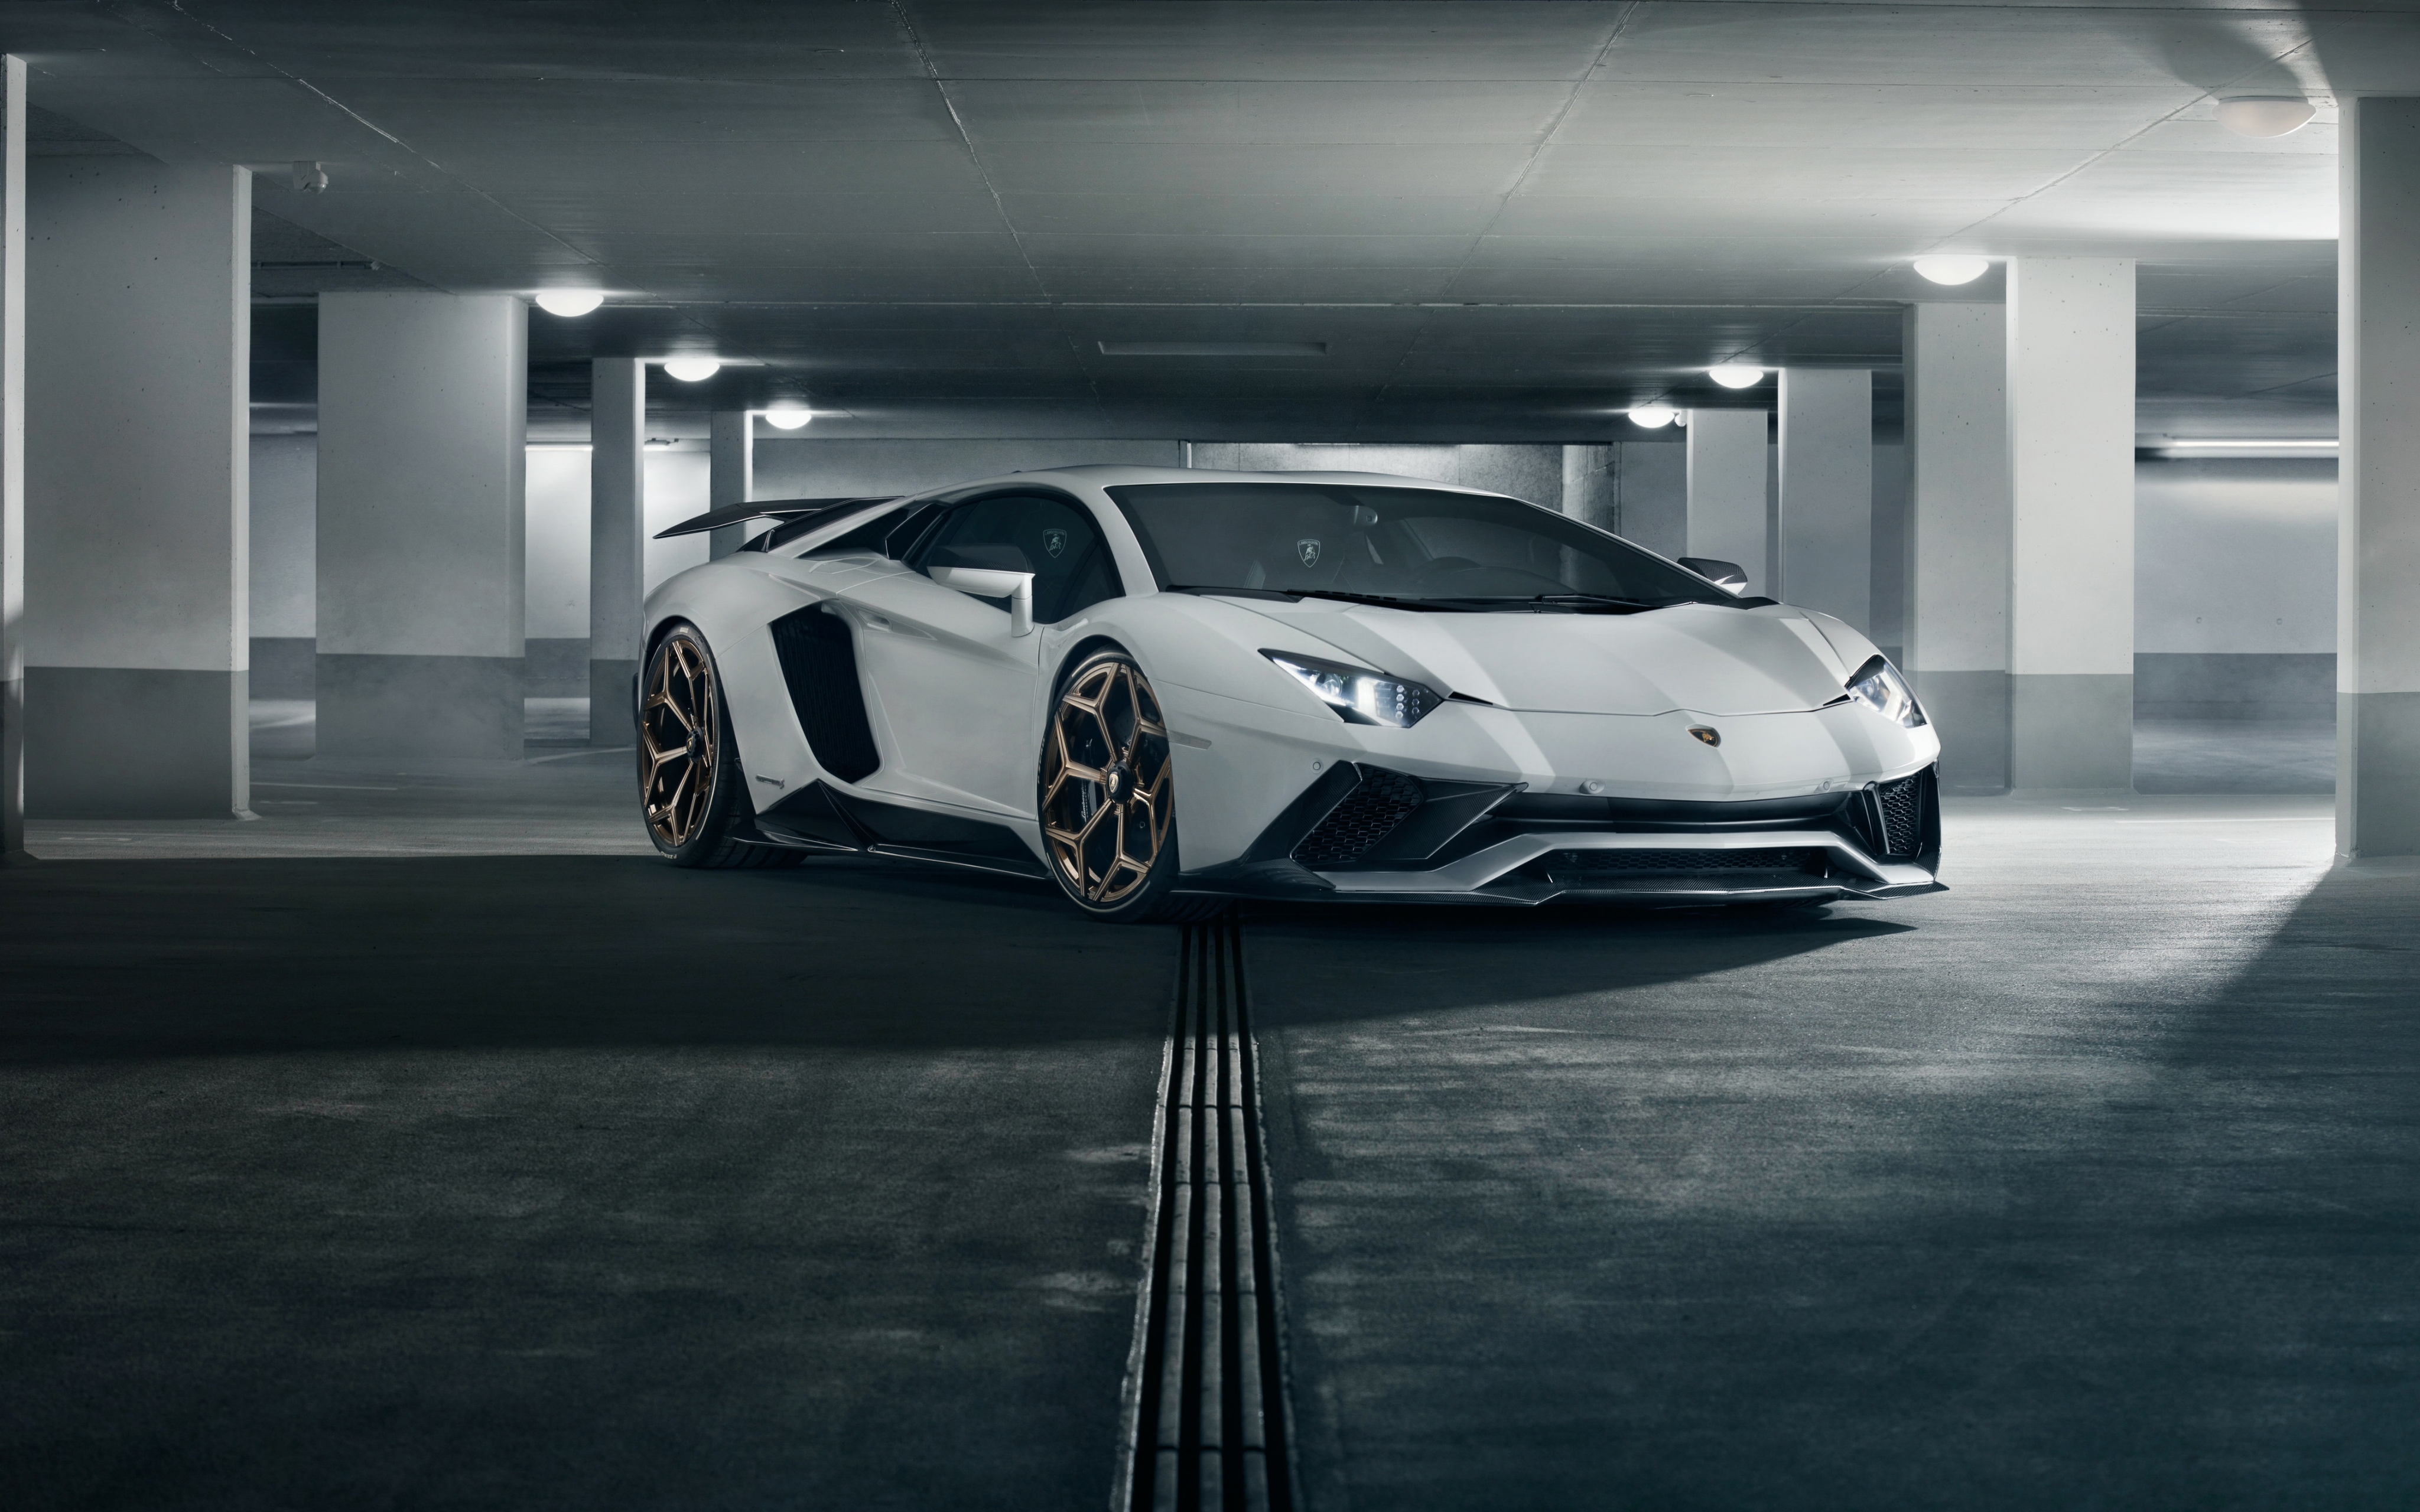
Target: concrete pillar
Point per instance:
(2378, 532)
(138, 488)
(2071, 512)
(1592, 486)
(1728, 463)
(733, 478)
(12, 458)
(423, 408)
(1958, 536)
(1827, 491)
(617, 516)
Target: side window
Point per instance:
(1057, 540)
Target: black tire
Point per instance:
(693, 794)
(1106, 792)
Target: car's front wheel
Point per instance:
(1109, 796)
(690, 788)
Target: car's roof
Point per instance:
(1117, 475)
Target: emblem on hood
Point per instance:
(1712, 737)
(1054, 540)
(1308, 548)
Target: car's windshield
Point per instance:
(1415, 545)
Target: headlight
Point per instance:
(1879, 686)
(1360, 697)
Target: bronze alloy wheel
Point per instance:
(1108, 789)
(680, 729)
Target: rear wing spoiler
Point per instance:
(784, 510)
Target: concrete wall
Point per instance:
(800, 467)
(1652, 495)
(1532, 472)
(2235, 589)
(284, 567)
(557, 561)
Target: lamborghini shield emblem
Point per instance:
(1712, 737)
(1308, 548)
(1054, 541)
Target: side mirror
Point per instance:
(988, 581)
(1728, 575)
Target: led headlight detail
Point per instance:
(1360, 697)
(1879, 686)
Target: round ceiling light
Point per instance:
(569, 302)
(2265, 115)
(1736, 375)
(692, 369)
(1953, 270)
(1654, 416)
(787, 416)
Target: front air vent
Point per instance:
(1567, 863)
(1368, 814)
(819, 664)
(1899, 817)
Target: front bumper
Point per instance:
(1371, 834)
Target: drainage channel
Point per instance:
(1206, 1429)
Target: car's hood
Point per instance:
(1702, 659)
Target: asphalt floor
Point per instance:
(428, 1144)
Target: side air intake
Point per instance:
(1902, 820)
(819, 664)
(1368, 814)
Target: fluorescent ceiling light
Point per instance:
(788, 416)
(1214, 349)
(692, 369)
(2248, 446)
(569, 302)
(2265, 115)
(1953, 271)
(1654, 416)
(1736, 375)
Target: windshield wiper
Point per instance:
(1232, 593)
(1573, 601)
(1430, 605)
(1292, 595)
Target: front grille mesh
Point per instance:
(1563, 863)
(1367, 815)
(1902, 814)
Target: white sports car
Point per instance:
(1163, 688)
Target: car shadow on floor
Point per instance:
(137, 957)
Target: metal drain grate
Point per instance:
(1205, 1394)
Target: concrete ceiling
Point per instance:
(1480, 219)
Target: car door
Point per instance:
(956, 689)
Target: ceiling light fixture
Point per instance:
(1654, 416)
(1953, 271)
(787, 416)
(571, 303)
(2265, 115)
(692, 369)
(1736, 375)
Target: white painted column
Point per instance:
(618, 519)
(423, 411)
(1729, 462)
(1827, 491)
(1958, 540)
(12, 458)
(2378, 532)
(2071, 509)
(733, 478)
(137, 415)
